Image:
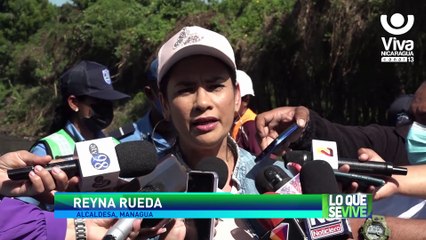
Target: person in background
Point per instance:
(271, 123)
(86, 108)
(244, 128)
(416, 136)
(152, 126)
(418, 104)
(399, 112)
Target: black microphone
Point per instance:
(135, 158)
(214, 164)
(370, 167)
(317, 177)
(272, 179)
(208, 175)
(168, 176)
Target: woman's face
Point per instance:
(201, 101)
(97, 114)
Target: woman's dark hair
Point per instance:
(63, 113)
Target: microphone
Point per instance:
(274, 179)
(270, 179)
(168, 176)
(120, 230)
(214, 164)
(317, 177)
(370, 167)
(99, 163)
(210, 174)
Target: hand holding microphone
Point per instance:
(98, 166)
(38, 180)
(391, 187)
(377, 168)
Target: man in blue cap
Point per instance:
(152, 126)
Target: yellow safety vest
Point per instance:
(249, 115)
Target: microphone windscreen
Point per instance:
(296, 156)
(270, 179)
(317, 177)
(136, 158)
(214, 164)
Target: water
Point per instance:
(12, 143)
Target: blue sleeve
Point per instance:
(39, 150)
(19, 220)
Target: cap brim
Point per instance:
(108, 95)
(192, 50)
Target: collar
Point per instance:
(72, 130)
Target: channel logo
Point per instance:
(397, 50)
(397, 21)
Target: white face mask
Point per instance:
(416, 143)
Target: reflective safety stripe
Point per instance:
(60, 143)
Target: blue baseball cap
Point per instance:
(152, 73)
(90, 79)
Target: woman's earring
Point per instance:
(76, 110)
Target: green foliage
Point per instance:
(20, 19)
(25, 109)
(321, 54)
(131, 111)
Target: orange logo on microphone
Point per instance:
(325, 151)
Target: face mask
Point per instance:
(102, 115)
(416, 143)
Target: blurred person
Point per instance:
(86, 108)
(269, 124)
(20, 220)
(200, 95)
(418, 104)
(399, 112)
(244, 128)
(388, 142)
(416, 136)
(152, 126)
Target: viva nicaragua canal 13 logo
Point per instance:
(397, 49)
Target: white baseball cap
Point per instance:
(194, 40)
(246, 85)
